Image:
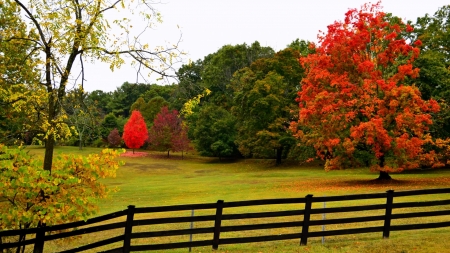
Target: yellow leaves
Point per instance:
(70, 190)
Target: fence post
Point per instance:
(306, 218)
(192, 227)
(387, 216)
(324, 218)
(217, 224)
(40, 239)
(128, 229)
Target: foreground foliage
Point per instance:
(31, 196)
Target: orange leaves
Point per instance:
(352, 95)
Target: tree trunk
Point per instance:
(279, 153)
(133, 150)
(81, 145)
(48, 157)
(384, 176)
(168, 153)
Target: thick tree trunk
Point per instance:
(279, 153)
(133, 150)
(384, 176)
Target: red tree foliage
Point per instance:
(135, 131)
(353, 96)
(114, 138)
(168, 132)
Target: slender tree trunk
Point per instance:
(279, 153)
(81, 139)
(48, 157)
(133, 150)
(168, 153)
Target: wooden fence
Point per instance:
(38, 236)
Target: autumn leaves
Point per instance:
(354, 96)
(168, 132)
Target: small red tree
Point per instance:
(168, 133)
(353, 97)
(135, 131)
(114, 138)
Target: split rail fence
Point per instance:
(38, 236)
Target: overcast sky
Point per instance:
(207, 25)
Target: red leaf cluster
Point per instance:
(135, 131)
(354, 95)
(168, 132)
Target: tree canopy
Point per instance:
(135, 131)
(353, 95)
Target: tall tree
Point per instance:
(353, 96)
(434, 64)
(215, 132)
(82, 115)
(135, 132)
(67, 32)
(18, 77)
(151, 109)
(264, 99)
(168, 132)
(219, 68)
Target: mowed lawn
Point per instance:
(156, 180)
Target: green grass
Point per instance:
(156, 180)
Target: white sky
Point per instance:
(207, 25)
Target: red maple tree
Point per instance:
(168, 132)
(353, 96)
(135, 131)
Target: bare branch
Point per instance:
(36, 23)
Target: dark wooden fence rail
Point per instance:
(41, 235)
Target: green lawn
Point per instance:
(156, 180)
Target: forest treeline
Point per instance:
(236, 102)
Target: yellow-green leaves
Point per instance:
(68, 193)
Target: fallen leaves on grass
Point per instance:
(358, 185)
(135, 154)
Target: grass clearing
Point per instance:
(156, 180)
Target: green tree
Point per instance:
(151, 109)
(101, 100)
(264, 99)
(434, 63)
(82, 115)
(219, 67)
(109, 122)
(215, 132)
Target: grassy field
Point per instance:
(156, 180)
